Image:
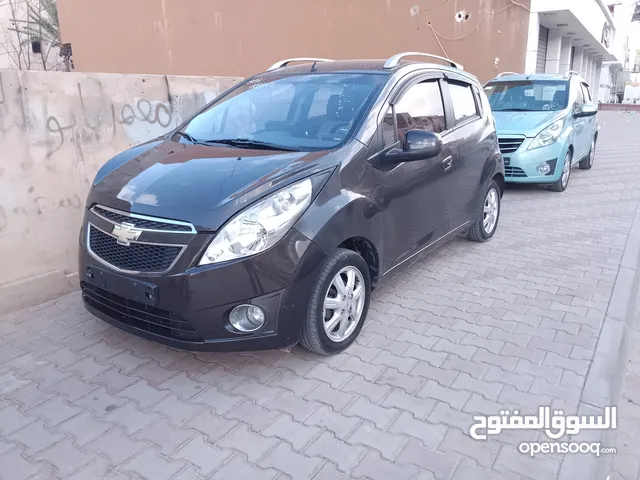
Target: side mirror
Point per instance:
(417, 145)
(587, 110)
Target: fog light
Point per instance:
(247, 318)
(543, 168)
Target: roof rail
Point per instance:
(284, 63)
(572, 72)
(503, 74)
(395, 60)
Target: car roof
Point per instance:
(369, 66)
(534, 76)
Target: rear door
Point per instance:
(474, 147)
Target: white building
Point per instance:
(626, 15)
(576, 35)
(18, 50)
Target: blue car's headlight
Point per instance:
(548, 136)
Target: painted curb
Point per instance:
(604, 380)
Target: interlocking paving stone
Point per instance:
(469, 329)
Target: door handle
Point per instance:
(447, 163)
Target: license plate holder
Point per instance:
(139, 291)
(507, 161)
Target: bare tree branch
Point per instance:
(34, 21)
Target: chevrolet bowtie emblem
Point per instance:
(126, 233)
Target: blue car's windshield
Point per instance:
(297, 112)
(528, 95)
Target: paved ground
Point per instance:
(626, 464)
(473, 328)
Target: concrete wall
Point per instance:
(244, 37)
(56, 130)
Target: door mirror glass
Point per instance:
(586, 110)
(422, 143)
(417, 145)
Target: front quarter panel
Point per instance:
(346, 207)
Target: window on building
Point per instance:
(36, 45)
(420, 108)
(464, 104)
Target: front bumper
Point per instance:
(188, 306)
(521, 166)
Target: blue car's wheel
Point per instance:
(587, 163)
(560, 185)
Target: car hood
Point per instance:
(201, 184)
(523, 123)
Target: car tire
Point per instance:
(487, 222)
(587, 163)
(317, 333)
(562, 183)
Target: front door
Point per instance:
(590, 124)
(416, 196)
(581, 141)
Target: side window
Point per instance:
(585, 92)
(464, 105)
(420, 108)
(478, 100)
(579, 97)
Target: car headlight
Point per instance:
(548, 135)
(261, 226)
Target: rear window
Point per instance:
(528, 95)
(464, 105)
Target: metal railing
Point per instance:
(395, 60)
(284, 63)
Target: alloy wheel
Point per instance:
(490, 213)
(566, 171)
(343, 304)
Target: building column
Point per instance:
(577, 59)
(532, 44)
(585, 63)
(554, 47)
(595, 86)
(565, 55)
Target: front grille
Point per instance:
(136, 257)
(509, 145)
(141, 222)
(514, 172)
(138, 315)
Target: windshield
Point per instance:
(528, 95)
(301, 112)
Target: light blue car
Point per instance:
(546, 123)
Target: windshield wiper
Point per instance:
(188, 137)
(514, 110)
(248, 143)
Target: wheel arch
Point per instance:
(500, 180)
(368, 251)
